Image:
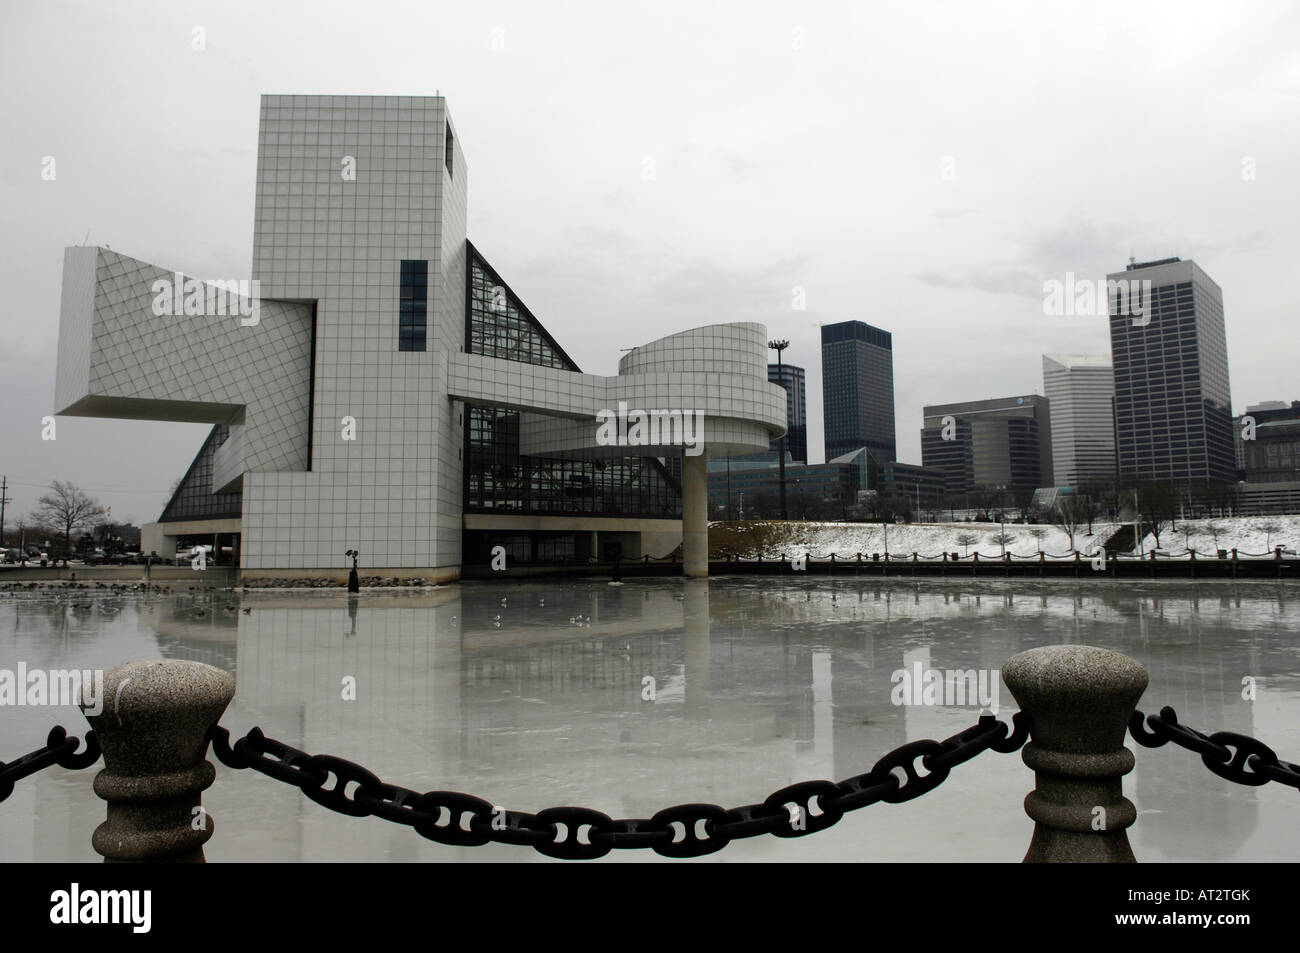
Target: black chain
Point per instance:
(59, 749)
(686, 830)
(1238, 758)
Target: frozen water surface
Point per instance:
(532, 695)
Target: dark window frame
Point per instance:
(413, 305)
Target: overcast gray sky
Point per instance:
(924, 167)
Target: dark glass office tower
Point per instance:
(796, 435)
(858, 390)
(1004, 442)
(1173, 408)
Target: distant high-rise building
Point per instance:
(1173, 416)
(858, 390)
(1080, 390)
(796, 437)
(1005, 442)
(1272, 454)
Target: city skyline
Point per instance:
(947, 235)
(584, 418)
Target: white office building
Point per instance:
(1080, 390)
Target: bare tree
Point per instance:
(1269, 529)
(1158, 502)
(32, 528)
(67, 508)
(987, 499)
(953, 502)
(1039, 533)
(1091, 505)
(1223, 496)
(893, 505)
(1104, 497)
(966, 541)
(1215, 530)
(1019, 500)
(1072, 513)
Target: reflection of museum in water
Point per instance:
(482, 688)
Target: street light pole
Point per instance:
(1137, 525)
(780, 346)
(4, 486)
(728, 487)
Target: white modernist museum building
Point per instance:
(378, 387)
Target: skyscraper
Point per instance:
(1080, 390)
(1272, 454)
(858, 390)
(796, 436)
(1173, 416)
(1005, 442)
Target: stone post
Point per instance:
(1080, 699)
(151, 725)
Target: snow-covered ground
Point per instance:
(1247, 534)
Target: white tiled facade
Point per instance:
(348, 187)
(719, 370)
(118, 359)
(1080, 390)
(394, 491)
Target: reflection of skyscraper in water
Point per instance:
(761, 684)
(815, 740)
(1203, 684)
(867, 723)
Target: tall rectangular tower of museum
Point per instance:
(361, 207)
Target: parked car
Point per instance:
(185, 557)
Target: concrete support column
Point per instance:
(695, 515)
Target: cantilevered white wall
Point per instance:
(118, 358)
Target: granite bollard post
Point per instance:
(151, 726)
(1080, 699)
